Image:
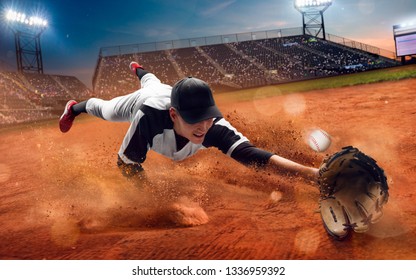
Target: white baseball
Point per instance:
(319, 140)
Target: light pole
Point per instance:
(313, 16)
(27, 31)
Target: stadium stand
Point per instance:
(113, 77)
(26, 97)
(241, 64)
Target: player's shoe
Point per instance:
(67, 118)
(134, 66)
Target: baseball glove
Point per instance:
(353, 190)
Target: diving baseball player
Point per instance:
(176, 122)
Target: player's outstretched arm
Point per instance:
(285, 165)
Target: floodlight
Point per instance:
(21, 18)
(406, 24)
(312, 3)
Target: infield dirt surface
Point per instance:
(63, 197)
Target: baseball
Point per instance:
(319, 140)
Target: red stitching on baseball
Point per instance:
(316, 143)
(325, 134)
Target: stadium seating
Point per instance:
(27, 97)
(241, 64)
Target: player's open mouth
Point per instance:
(199, 135)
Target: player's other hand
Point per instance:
(129, 169)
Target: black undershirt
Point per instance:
(180, 141)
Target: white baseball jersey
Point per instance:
(151, 128)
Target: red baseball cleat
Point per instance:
(67, 118)
(133, 67)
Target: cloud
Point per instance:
(264, 26)
(281, 23)
(217, 8)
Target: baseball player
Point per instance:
(176, 122)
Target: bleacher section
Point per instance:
(114, 78)
(240, 64)
(27, 97)
(235, 65)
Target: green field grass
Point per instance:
(389, 74)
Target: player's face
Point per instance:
(193, 132)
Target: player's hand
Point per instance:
(129, 169)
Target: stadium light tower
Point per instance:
(27, 31)
(313, 16)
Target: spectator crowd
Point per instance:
(26, 97)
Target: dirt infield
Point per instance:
(62, 196)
